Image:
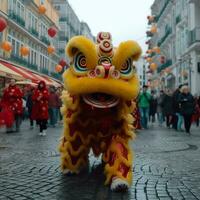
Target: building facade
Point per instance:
(178, 36)
(69, 24)
(141, 67)
(27, 27)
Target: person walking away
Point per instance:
(177, 117)
(53, 106)
(153, 106)
(160, 107)
(59, 93)
(12, 100)
(29, 105)
(187, 107)
(40, 107)
(167, 106)
(196, 115)
(144, 103)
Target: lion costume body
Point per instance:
(100, 87)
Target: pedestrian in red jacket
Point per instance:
(40, 99)
(12, 100)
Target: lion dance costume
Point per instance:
(100, 87)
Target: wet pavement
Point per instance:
(166, 167)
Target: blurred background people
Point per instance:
(160, 107)
(167, 106)
(40, 107)
(196, 114)
(153, 106)
(177, 117)
(29, 105)
(53, 106)
(144, 103)
(59, 93)
(187, 107)
(12, 100)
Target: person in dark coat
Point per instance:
(187, 107)
(29, 105)
(177, 117)
(167, 105)
(153, 107)
(40, 107)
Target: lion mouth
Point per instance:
(100, 100)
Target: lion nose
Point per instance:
(107, 67)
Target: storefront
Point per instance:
(9, 70)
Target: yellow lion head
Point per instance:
(100, 73)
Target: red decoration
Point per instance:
(52, 31)
(162, 59)
(58, 68)
(3, 24)
(24, 51)
(6, 46)
(42, 9)
(50, 49)
(63, 63)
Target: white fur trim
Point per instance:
(117, 182)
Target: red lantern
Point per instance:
(50, 49)
(6, 46)
(58, 68)
(24, 51)
(149, 59)
(41, 9)
(62, 63)
(154, 29)
(162, 59)
(153, 66)
(149, 51)
(52, 31)
(3, 24)
(156, 50)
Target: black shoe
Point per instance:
(9, 131)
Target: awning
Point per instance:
(27, 74)
(7, 72)
(22, 72)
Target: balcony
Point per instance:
(178, 19)
(194, 36)
(45, 40)
(18, 19)
(162, 10)
(63, 19)
(33, 31)
(61, 51)
(164, 66)
(21, 61)
(168, 31)
(56, 75)
(44, 71)
(63, 38)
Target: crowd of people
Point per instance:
(40, 104)
(174, 107)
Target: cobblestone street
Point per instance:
(166, 166)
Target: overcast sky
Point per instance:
(125, 19)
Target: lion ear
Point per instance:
(128, 49)
(85, 46)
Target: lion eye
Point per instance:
(80, 64)
(127, 69)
